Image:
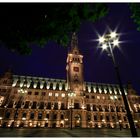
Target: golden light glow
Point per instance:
(23, 118)
(101, 39)
(104, 46)
(116, 42)
(113, 34)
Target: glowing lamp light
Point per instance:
(104, 46)
(113, 34)
(116, 42)
(101, 39)
(115, 97)
(23, 118)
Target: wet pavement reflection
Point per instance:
(57, 132)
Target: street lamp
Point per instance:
(71, 95)
(108, 42)
(22, 91)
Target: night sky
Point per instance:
(50, 61)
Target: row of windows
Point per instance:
(62, 106)
(40, 85)
(106, 90)
(54, 116)
(44, 94)
(105, 108)
(35, 105)
(135, 99)
(106, 118)
(32, 115)
(103, 97)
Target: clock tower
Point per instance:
(74, 67)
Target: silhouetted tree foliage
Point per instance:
(39, 23)
(135, 9)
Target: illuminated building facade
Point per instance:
(27, 101)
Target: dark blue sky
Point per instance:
(50, 61)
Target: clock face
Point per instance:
(76, 69)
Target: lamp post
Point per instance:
(107, 42)
(22, 91)
(71, 95)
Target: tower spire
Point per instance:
(74, 41)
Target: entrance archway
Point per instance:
(77, 120)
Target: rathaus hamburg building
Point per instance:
(27, 101)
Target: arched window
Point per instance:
(34, 105)
(45, 85)
(94, 108)
(91, 88)
(117, 109)
(10, 105)
(26, 105)
(24, 115)
(76, 105)
(62, 106)
(38, 85)
(49, 105)
(107, 118)
(62, 116)
(88, 117)
(57, 86)
(63, 86)
(100, 108)
(55, 116)
(31, 84)
(101, 117)
(31, 115)
(51, 86)
(40, 115)
(112, 109)
(7, 115)
(41, 105)
(47, 116)
(95, 117)
(55, 106)
(88, 107)
(86, 88)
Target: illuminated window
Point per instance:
(98, 97)
(56, 94)
(76, 69)
(63, 94)
(50, 94)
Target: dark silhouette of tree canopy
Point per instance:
(135, 9)
(23, 24)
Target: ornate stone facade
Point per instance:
(27, 101)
